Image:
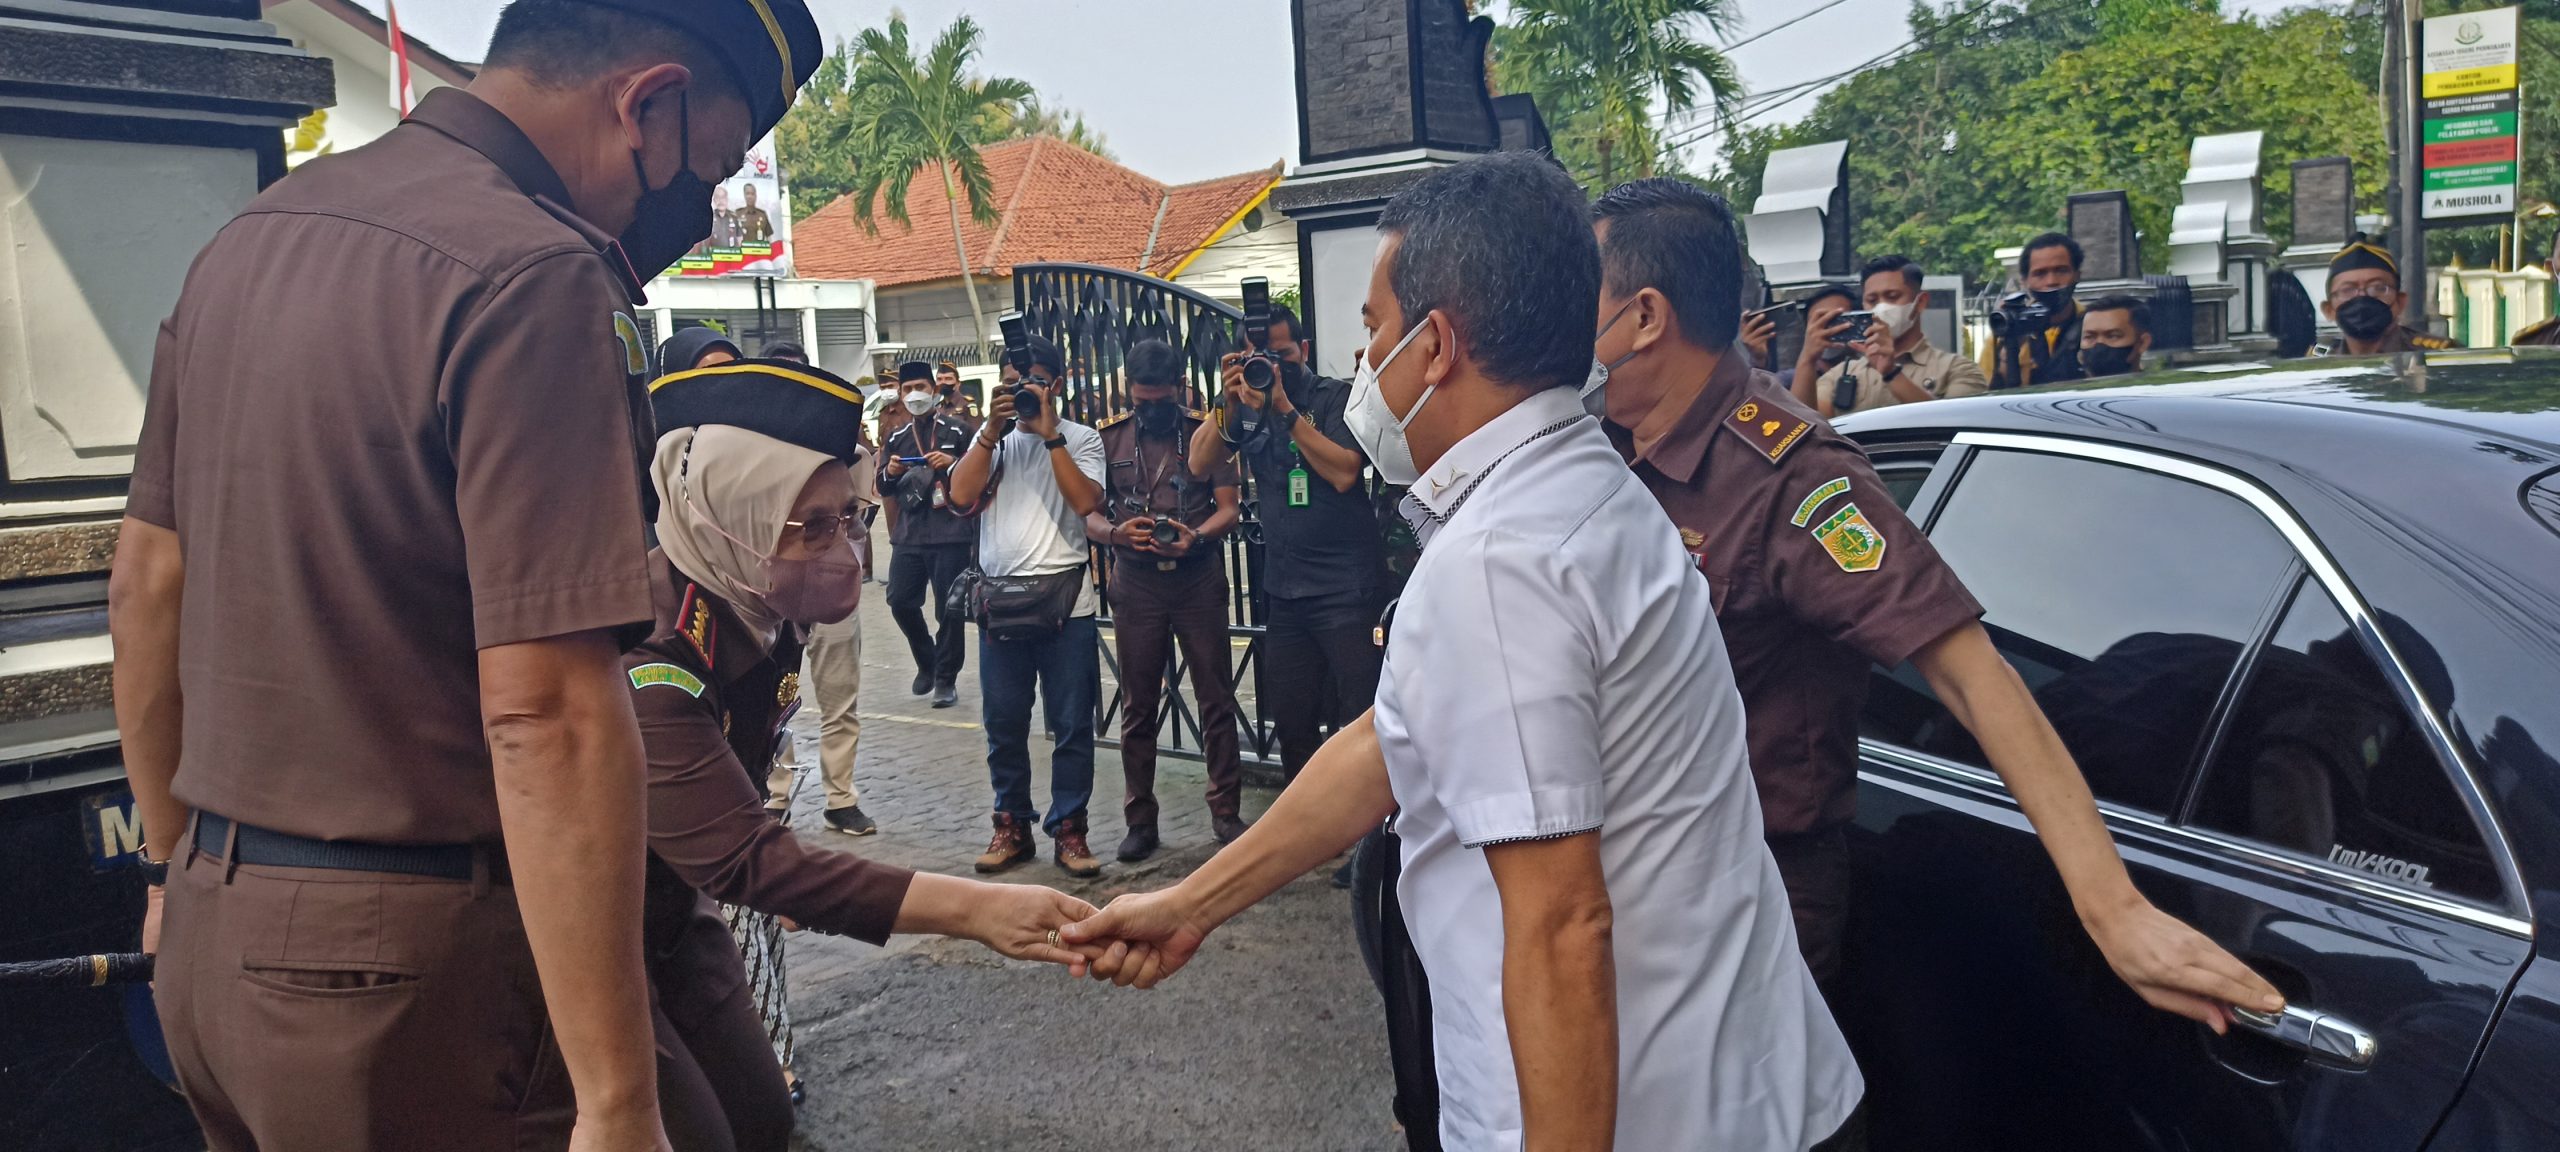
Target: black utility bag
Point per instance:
(1018, 607)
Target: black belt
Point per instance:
(254, 845)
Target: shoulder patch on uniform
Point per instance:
(671, 675)
(1113, 421)
(1854, 544)
(693, 616)
(1815, 499)
(1771, 432)
(635, 351)
(2431, 343)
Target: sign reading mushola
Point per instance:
(2467, 122)
(750, 223)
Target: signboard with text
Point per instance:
(2468, 130)
(750, 223)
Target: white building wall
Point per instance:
(1270, 252)
(364, 110)
(937, 314)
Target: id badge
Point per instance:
(1298, 487)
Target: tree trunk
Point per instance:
(1605, 171)
(968, 283)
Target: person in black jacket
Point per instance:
(930, 545)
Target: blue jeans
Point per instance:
(1068, 670)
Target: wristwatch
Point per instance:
(1056, 442)
(156, 872)
(1288, 421)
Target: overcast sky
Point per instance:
(1189, 89)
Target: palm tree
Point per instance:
(910, 115)
(1603, 62)
(1034, 118)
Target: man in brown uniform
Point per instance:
(1168, 583)
(1815, 574)
(382, 554)
(2365, 301)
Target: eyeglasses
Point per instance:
(819, 533)
(2376, 288)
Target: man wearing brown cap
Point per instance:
(2365, 302)
(370, 596)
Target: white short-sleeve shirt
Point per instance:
(1555, 668)
(1027, 529)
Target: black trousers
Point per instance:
(1308, 644)
(911, 568)
(1150, 611)
(1378, 922)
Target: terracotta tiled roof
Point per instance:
(1057, 202)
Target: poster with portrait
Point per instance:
(750, 223)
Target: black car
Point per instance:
(2300, 626)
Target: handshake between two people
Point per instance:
(1139, 939)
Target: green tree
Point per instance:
(1031, 118)
(1972, 140)
(811, 143)
(912, 115)
(1599, 67)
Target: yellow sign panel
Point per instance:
(2495, 78)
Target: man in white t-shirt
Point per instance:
(1030, 480)
(1612, 960)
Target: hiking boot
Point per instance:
(850, 821)
(1011, 845)
(1072, 856)
(923, 684)
(1226, 828)
(1140, 844)
(945, 694)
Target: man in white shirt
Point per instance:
(1031, 480)
(1612, 959)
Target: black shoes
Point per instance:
(923, 684)
(850, 821)
(1227, 828)
(1140, 844)
(945, 695)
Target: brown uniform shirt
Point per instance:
(1813, 569)
(2401, 338)
(397, 417)
(1149, 476)
(712, 704)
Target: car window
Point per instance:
(1903, 479)
(2319, 758)
(2122, 597)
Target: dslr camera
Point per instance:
(1262, 369)
(1164, 528)
(2019, 312)
(1017, 352)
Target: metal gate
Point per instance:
(1093, 314)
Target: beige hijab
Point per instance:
(723, 494)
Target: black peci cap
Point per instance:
(915, 372)
(771, 46)
(794, 403)
(2361, 253)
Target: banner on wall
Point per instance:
(2467, 121)
(750, 223)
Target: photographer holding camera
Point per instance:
(1168, 582)
(1896, 364)
(930, 545)
(1323, 561)
(1031, 477)
(2035, 334)
(1826, 340)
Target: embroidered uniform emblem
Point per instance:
(788, 693)
(1692, 539)
(694, 616)
(1771, 438)
(635, 352)
(670, 675)
(1814, 500)
(1750, 410)
(1854, 544)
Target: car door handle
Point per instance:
(2327, 1039)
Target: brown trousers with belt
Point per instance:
(324, 1010)
(1150, 611)
(719, 1087)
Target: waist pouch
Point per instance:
(1027, 607)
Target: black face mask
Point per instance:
(2365, 318)
(1295, 380)
(667, 222)
(1159, 417)
(2056, 301)
(2106, 360)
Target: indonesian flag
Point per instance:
(404, 93)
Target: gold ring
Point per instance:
(1053, 938)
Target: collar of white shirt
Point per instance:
(1449, 477)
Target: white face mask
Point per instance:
(1898, 318)
(919, 403)
(1375, 425)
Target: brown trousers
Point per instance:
(1150, 610)
(322, 1010)
(719, 1087)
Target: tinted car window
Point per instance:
(2122, 597)
(2319, 758)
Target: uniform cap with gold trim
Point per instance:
(2361, 253)
(771, 46)
(787, 400)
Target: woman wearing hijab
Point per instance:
(758, 511)
(697, 347)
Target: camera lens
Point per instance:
(1259, 375)
(1026, 404)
